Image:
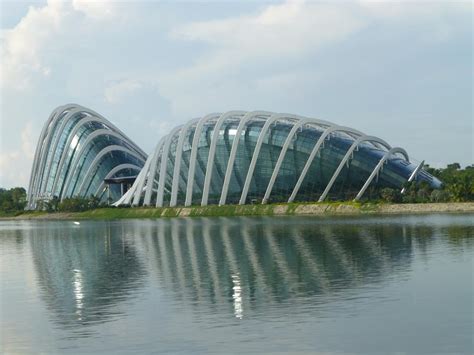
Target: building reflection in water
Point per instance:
(235, 267)
(242, 265)
(85, 271)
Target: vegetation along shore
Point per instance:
(456, 195)
(285, 209)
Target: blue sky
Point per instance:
(398, 70)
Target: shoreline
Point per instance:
(282, 209)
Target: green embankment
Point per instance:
(300, 209)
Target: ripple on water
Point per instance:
(213, 285)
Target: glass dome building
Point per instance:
(242, 157)
(77, 150)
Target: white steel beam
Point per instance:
(127, 198)
(67, 117)
(98, 157)
(212, 152)
(46, 146)
(193, 158)
(163, 167)
(256, 152)
(141, 182)
(346, 158)
(65, 151)
(152, 173)
(73, 133)
(273, 118)
(78, 156)
(39, 155)
(233, 152)
(413, 175)
(313, 153)
(177, 161)
(44, 150)
(113, 172)
(282, 155)
(378, 167)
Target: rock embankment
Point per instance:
(406, 208)
(293, 209)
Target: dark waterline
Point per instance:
(216, 285)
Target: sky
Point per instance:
(401, 71)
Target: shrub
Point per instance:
(440, 196)
(390, 195)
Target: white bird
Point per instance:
(75, 222)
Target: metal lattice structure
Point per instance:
(242, 157)
(78, 149)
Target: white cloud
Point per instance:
(265, 49)
(22, 46)
(97, 9)
(117, 91)
(28, 49)
(290, 28)
(15, 165)
(115, 57)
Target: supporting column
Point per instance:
(346, 158)
(378, 167)
(414, 174)
(177, 162)
(193, 158)
(163, 167)
(256, 152)
(284, 149)
(151, 177)
(212, 152)
(315, 150)
(233, 151)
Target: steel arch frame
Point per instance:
(212, 152)
(71, 136)
(326, 133)
(131, 193)
(39, 153)
(281, 157)
(233, 152)
(37, 181)
(78, 156)
(152, 171)
(155, 170)
(114, 171)
(177, 162)
(378, 167)
(193, 158)
(273, 118)
(354, 145)
(38, 149)
(140, 181)
(99, 156)
(55, 140)
(163, 166)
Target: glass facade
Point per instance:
(76, 151)
(252, 147)
(232, 158)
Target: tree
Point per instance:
(390, 195)
(454, 166)
(12, 200)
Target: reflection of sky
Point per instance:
(260, 281)
(78, 292)
(237, 296)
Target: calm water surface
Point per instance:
(220, 285)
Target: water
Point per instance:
(220, 285)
